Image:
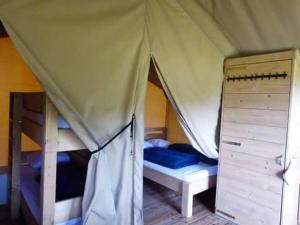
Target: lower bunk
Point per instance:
(69, 189)
(188, 175)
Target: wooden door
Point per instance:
(253, 144)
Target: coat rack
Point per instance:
(257, 76)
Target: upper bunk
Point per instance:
(33, 123)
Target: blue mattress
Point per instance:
(176, 156)
(61, 123)
(189, 149)
(70, 181)
(169, 158)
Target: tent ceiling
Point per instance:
(250, 26)
(257, 25)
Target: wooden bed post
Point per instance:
(15, 129)
(48, 173)
(187, 200)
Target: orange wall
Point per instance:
(159, 113)
(15, 76)
(155, 107)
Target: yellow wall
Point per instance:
(175, 133)
(159, 113)
(155, 107)
(14, 77)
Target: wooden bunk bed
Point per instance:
(35, 115)
(187, 187)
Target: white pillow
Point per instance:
(161, 143)
(147, 144)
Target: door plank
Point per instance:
(246, 212)
(256, 116)
(250, 193)
(257, 101)
(253, 163)
(252, 147)
(251, 178)
(255, 132)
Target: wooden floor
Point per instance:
(162, 207)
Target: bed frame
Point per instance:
(35, 115)
(187, 189)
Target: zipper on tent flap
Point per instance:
(130, 124)
(132, 134)
(131, 127)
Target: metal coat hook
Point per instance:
(257, 76)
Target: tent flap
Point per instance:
(96, 78)
(190, 69)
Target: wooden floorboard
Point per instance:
(162, 207)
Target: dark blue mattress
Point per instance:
(169, 158)
(70, 181)
(176, 156)
(189, 149)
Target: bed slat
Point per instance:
(156, 132)
(33, 116)
(15, 152)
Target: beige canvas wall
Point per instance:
(175, 133)
(97, 107)
(14, 77)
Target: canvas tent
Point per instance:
(92, 59)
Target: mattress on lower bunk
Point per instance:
(188, 174)
(70, 180)
(30, 189)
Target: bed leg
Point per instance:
(15, 153)
(48, 170)
(187, 200)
